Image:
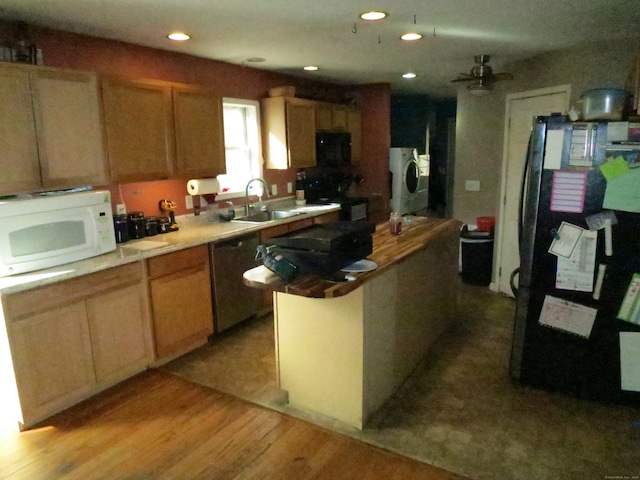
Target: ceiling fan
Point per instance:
(482, 76)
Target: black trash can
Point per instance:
(475, 257)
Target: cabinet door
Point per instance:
(69, 128)
(323, 116)
(139, 130)
(339, 118)
(199, 133)
(19, 167)
(182, 310)
(354, 126)
(120, 333)
(52, 360)
(301, 133)
(326, 218)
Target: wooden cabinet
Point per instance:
(199, 133)
(180, 285)
(139, 129)
(72, 339)
(158, 130)
(331, 117)
(52, 130)
(289, 132)
(354, 127)
(326, 218)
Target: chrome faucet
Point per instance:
(248, 205)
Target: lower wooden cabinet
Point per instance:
(69, 340)
(180, 286)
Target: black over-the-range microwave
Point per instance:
(333, 149)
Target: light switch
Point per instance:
(188, 200)
(274, 189)
(289, 187)
(472, 185)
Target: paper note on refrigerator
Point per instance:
(567, 316)
(576, 272)
(630, 361)
(567, 191)
(622, 193)
(566, 239)
(630, 308)
(553, 150)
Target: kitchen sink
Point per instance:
(266, 216)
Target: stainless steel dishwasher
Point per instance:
(234, 301)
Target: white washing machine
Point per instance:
(409, 184)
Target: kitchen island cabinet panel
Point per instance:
(181, 301)
(199, 133)
(139, 130)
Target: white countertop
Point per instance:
(193, 231)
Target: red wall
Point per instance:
(68, 50)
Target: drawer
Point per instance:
(177, 261)
(22, 304)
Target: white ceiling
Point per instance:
(328, 33)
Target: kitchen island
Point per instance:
(342, 349)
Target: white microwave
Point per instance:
(47, 230)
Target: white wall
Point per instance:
(480, 120)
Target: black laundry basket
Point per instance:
(475, 262)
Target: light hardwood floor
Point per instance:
(158, 426)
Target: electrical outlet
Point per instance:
(289, 187)
(274, 189)
(121, 209)
(472, 185)
(188, 200)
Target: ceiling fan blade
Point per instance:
(503, 76)
(464, 77)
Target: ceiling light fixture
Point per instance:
(373, 15)
(411, 36)
(179, 36)
(480, 89)
(409, 75)
(255, 60)
(310, 68)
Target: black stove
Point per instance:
(332, 188)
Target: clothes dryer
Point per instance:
(405, 179)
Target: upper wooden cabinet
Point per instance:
(52, 130)
(156, 130)
(331, 117)
(139, 126)
(354, 127)
(289, 131)
(199, 133)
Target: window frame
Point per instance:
(255, 111)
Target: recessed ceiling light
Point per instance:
(411, 36)
(409, 75)
(256, 60)
(179, 36)
(310, 68)
(373, 15)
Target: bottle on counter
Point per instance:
(300, 178)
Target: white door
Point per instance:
(521, 108)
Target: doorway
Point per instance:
(520, 109)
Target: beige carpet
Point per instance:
(459, 410)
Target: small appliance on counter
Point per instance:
(324, 248)
(169, 206)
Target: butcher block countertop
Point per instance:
(388, 250)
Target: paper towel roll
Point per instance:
(203, 186)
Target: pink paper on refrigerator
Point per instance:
(568, 191)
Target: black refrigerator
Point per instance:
(577, 320)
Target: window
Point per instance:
(242, 146)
